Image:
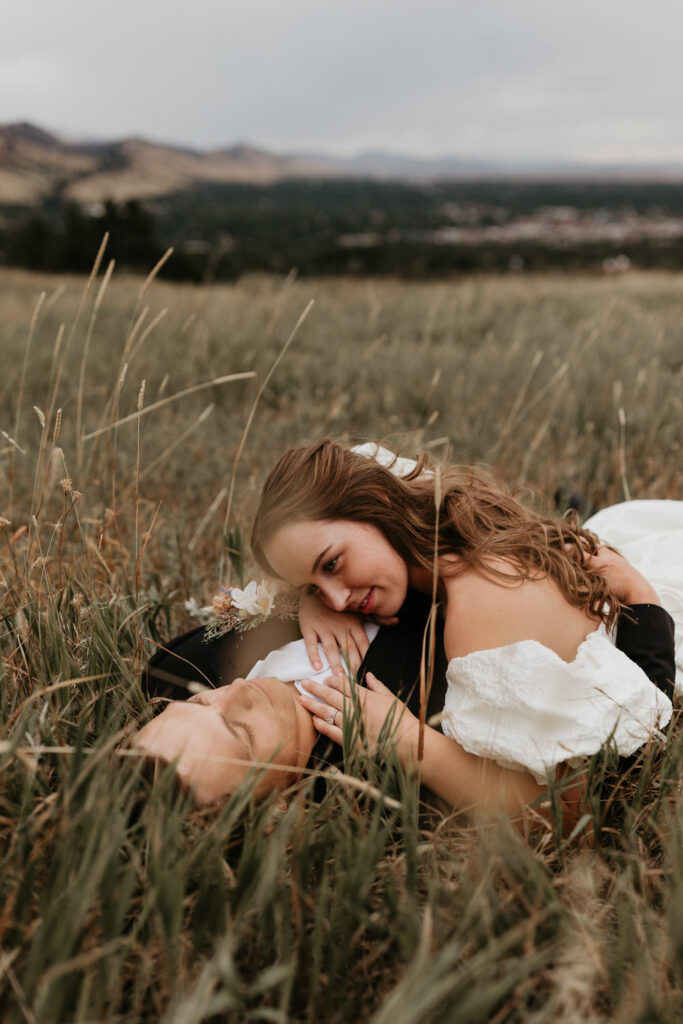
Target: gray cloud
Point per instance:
(594, 79)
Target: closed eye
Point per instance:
(245, 728)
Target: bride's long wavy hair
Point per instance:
(478, 519)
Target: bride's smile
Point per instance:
(350, 566)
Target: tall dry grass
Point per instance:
(119, 902)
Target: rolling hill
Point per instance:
(36, 165)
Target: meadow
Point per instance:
(138, 420)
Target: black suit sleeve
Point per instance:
(645, 632)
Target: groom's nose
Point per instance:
(238, 693)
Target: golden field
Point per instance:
(127, 460)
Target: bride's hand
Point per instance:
(377, 704)
(623, 579)
(338, 632)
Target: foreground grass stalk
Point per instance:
(84, 360)
(252, 413)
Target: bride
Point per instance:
(534, 683)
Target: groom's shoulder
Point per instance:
(190, 657)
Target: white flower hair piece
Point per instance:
(256, 598)
(233, 608)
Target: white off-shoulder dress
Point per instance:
(524, 707)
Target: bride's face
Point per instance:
(255, 720)
(351, 566)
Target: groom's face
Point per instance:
(218, 735)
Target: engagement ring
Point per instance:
(330, 720)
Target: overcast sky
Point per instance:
(580, 79)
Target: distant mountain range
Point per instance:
(35, 164)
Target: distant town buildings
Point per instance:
(550, 226)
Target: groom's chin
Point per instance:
(306, 733)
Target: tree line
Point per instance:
(220, 232)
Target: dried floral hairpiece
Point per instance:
(232, 608)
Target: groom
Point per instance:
(644, 633)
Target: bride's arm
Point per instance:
(462, 779)
(466, 781)
(623, 579)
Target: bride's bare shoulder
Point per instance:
(482, 613)
(475, 605)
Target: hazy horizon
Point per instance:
(513, 164)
